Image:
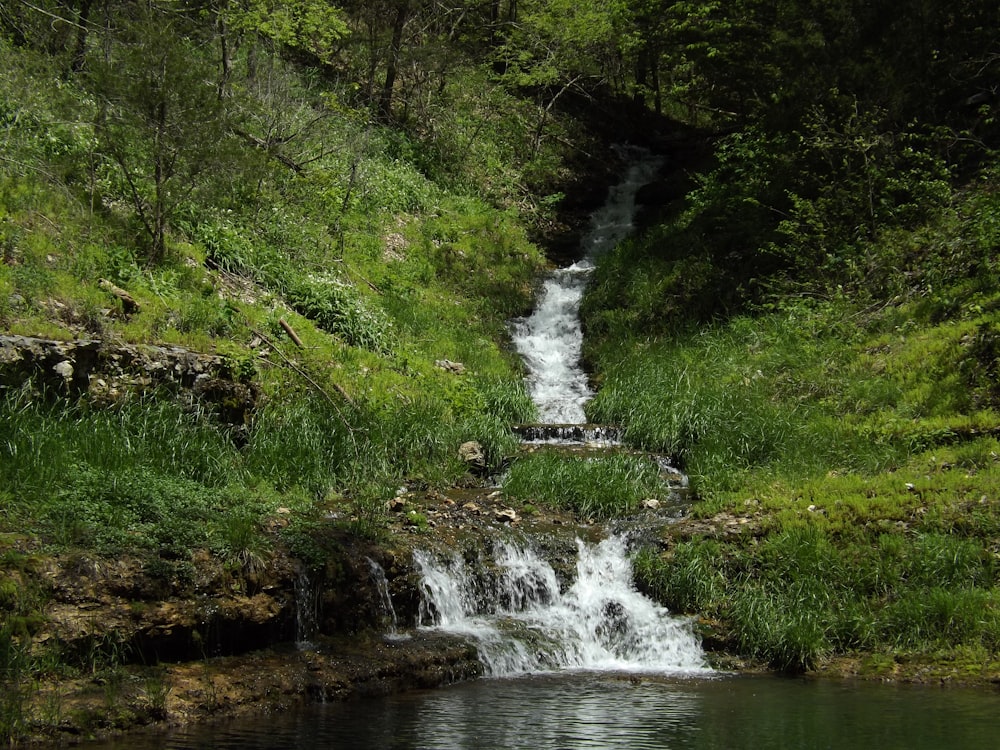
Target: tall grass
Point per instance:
(804, 593)
(705, 404)
(48, 441)
(599, 487)
(14, 692)
(150, 473)
(795, 393)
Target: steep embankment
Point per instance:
(839, 424)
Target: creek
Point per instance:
(551, 338)
(511, 602)
(573, 655)
(608, 711)
(524, 620)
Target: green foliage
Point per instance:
(686, 581)
(14, 720)
(714, 404)
(806, 592)
(598, 487)
(339, 309)
(221, 165)
(299, 444)
(310, 25)
(161, 124)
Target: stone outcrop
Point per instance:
(106, 371)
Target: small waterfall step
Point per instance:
(523, 620)
(596, 435)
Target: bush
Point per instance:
(338, 308)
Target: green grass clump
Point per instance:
(592, 487)
(807, 592)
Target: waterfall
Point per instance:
(523, 622)
(385, 600)
(550, 339)
(306, 611)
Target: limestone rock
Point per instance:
(471, 453)
(506, 515)
(64, 369)
(453, 367)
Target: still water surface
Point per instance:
(609, 711)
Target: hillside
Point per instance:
(258, 266)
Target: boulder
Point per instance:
(472, 454)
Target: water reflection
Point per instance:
(609, 711)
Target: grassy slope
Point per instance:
(844, 451)
(380, 270)
(854, 439)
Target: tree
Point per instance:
(161, 121)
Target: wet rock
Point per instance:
(506, 515)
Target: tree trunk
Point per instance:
(227, 56)
(80, 49)
(392, 63)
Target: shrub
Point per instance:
(339, 309)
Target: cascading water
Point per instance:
(512, 606)
(550, 339)
(385, 600)
(523, 623)
(306, 611)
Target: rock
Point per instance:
(64, 369)
(506, 515)
(652, 503)
(396, 505)
(107, 369)
(456, 368)
(129, 305)
(472, 454)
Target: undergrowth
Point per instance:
(846, 433)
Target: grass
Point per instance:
(854, 435)
(799, 595)
(380, 276)
(593, 487)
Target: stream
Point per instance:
(551, 338)
(578, 711)
(511, 603)
(524, 621)
(575, 656)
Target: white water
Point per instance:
(306, 612)
(390, 621)
(550, 339)
(523, 623)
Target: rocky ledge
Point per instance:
(161, 643)
(107, 370)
